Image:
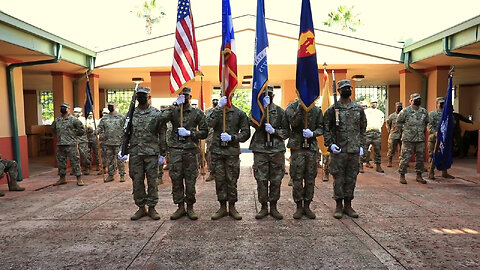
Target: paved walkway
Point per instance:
(433, 226)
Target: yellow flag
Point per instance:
(326, 93)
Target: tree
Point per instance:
(344, 18)
(151, 12)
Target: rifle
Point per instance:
(127, 128)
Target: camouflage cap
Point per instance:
(415, 96)
(343, 83)
(186, 91)
(143, 89)
(111, 103)
(398, 104)
(77, 109)
(64, 104)
(440, 99)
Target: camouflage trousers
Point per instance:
(374, 138)
(226, 170)
(85, 156)
(268, 168)
(392, 147)
(94, 148)
(70, 151)
(432, 140)
(112, 161)
(10, 167)
(344, 168)
(139, 167)
(407, 149)
(183, 172)
(326, 163)
(103, 152)
(303, 170)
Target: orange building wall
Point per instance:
(469, 101)
(62, 86)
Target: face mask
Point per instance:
(399, 109)
(417, 102)
(142, 100)
(187, 99)
(110, 108)
(215, 103)
(63, 110)
(441, 105)
(346, 93)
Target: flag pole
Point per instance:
(268, 117)
(223, 94)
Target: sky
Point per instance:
(102, 24)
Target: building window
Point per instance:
(368, 93)
(122, 97)
(46, 103)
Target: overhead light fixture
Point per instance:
(246, 83)
(358, 78)
(137, 80)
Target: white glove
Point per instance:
(269, 128)
(361, 151)
(307, 133)
(183, 132)
(223, 101)
(225, 137)
(161, 160)
(266, 101)
(180, 100)
(119, 155)
(335, 149)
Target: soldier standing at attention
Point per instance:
(373, 136)
(225, 154)
(412, 122)
(110, 129)
(345, 141)
(10, 167)
(394, 135)
(145, 154)
(82, 142)
(209, 140)
(183, 150)
(67, 128)
(269, 157)
(303, 159)
(434, 118)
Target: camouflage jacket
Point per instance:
(434, 118)
(296, 120)
(350, 134)
(82, 138)
(412, 124)
(393, 132)
(67, 130)
(210, 129)
(90, 130)
(278, 120)
(193, 120)
(236, 125)
(146, 131)
(110, 129)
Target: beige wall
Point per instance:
(30, 98)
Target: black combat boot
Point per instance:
(402, 179)
(379, 168)
(263, 212)
(306, 210)
(233, 212)
(338, 214)
(141, 212)
(190, 212)
(221, 212)
(347, 209)
(274, 211)
(299, 212)
(446, 175)
(179, 213)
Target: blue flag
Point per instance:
(308, 88)
(88, 101)
(260, 68)
(442, 158)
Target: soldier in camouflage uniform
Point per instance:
(209, 140)
(394, 135)
(145, 154)
(373, 135)
(363, 157)
(110, 129)
(103, 147)
(412, 122)
(163, 145)
(303, 159)
(92, 139)
(82, 143)
(434, 118)
(269, 159)
(225, 154)
(67, 128)
(10, 167)
(183, 150)
(345, 142)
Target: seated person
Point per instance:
(10, 167)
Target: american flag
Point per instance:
(185, 52)
(228, 52)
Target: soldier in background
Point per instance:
(67, 128)
(375, 121)
(269, 158)
(345, 142)
(363, 157)
(209, 140)
(10, 167)
(183, 150)
(394, 135)
(145, 154)
(412, 122)
(225, 154)
(82, 143)
(303, 159)
(434, 118)
(103, 148)
(110, 129)
(92, 138)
